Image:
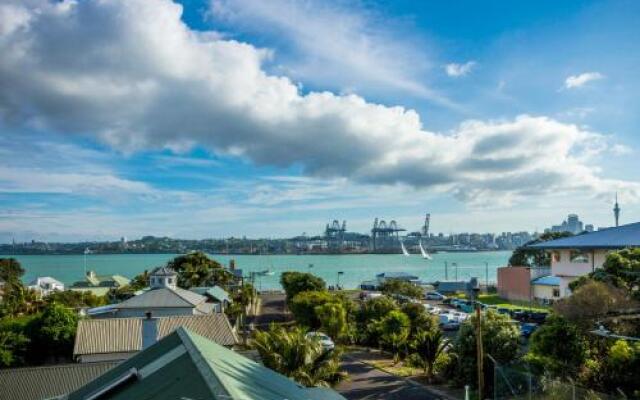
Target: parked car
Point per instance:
(527, 329)
(452, 325)
(538, 317)
(370, 295)
(325, 341)
(435, 296)
(503, 310)
(431, 309)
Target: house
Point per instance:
(215, 295)
(45, 285)
(37, 383)
(119, 338)
(186, 365)
(576, 256)
(99, 285)
(515, 283)
(163, 298)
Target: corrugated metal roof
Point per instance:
(124, 335)
(547, 281)
(47, 382)
(215, 292)
(187, 365)
(163, 298)
(610, 238)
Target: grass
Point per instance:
(398, 369)
(494, 299)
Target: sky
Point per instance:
(208, 119)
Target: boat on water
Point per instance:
(425, 255)
(404, 249)
(266, 272)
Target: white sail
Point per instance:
(424, 252)
(404, 249)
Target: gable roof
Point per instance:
(187, 365)
(124, 335)
(163, 271)
(38, 383)
(215, 292)
(610, 238)
(163, 298)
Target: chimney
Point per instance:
(149, 330)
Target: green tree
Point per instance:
(10, 270)
(368, 318)
(53, 333)
(557, 347)
(333, 319)
(592, 301)
(303, 307)
(499, 339)
(621, 366)
(197, 269)
(429, 345)
(420, 319)
(394, 332)
(295, 282)
(12, 346)
(403, 288)
(292, 354)
(526, 257)
(620, 269)
(75, 299)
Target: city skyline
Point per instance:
(240, 117)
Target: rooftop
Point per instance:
(124, 335)
(187, 365)
(163, 271)
(215, 292)
(164, 298)
(549, 280)
(36, 383)
(397, 275)
(610, 238)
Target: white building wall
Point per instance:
(565, 267)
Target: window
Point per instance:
(555, 256)
(556, 292)
(578, 256)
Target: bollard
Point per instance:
(466, 392)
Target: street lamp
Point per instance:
(455, 264)
(338, 280)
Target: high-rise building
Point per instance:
(616, 211)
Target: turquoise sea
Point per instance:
(355, 268)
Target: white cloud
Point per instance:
(332, 43)
(577, 81)
(76, 68)
(457, 70)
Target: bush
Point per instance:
(303, 307)
(399, 287)
(499, 338)
(296, 282)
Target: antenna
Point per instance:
(616, 211)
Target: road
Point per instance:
(272, 309)
(368, 383)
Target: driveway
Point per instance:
(273, 309)
(367, 382)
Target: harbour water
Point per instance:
(355, 268)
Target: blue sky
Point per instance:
(267, 119)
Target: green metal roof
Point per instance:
(215, 292)
(186, 365)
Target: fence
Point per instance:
(514, 384)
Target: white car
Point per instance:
(435, 296)
(325, 341)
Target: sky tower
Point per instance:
(616, 210)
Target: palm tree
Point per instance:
(292, 354)
(429, 344)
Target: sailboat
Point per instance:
(404, 249)
(425, 255)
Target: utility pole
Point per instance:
(446, 271)
(486, 276)
(480, 360)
